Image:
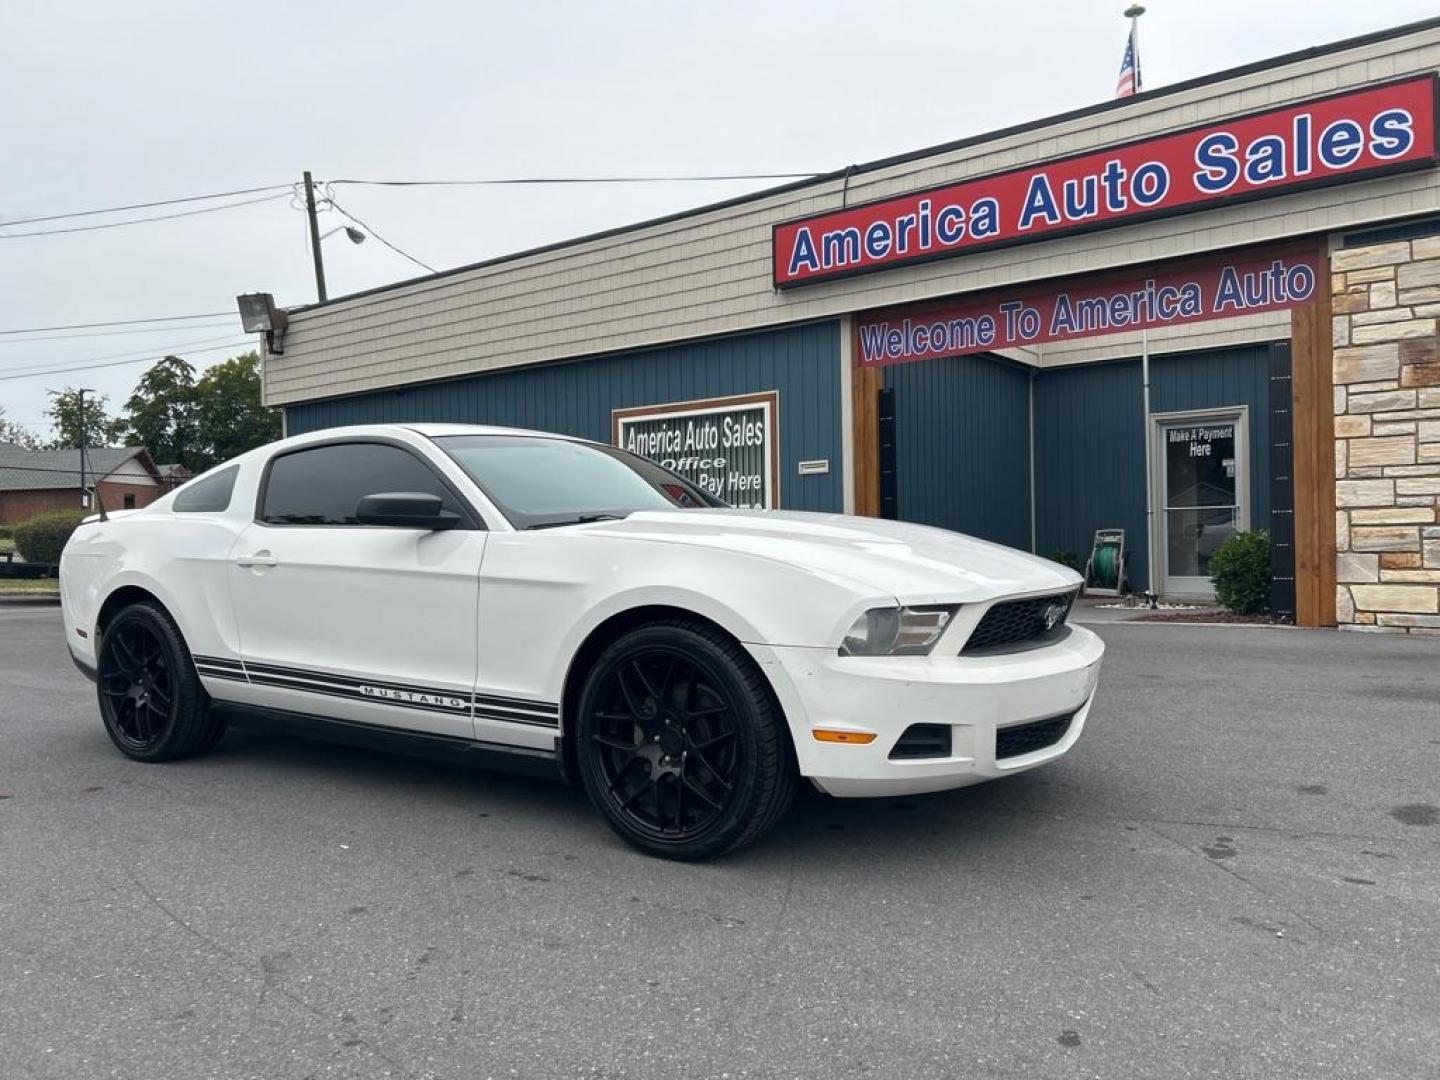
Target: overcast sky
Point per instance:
(115, 103)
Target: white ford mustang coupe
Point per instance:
(566, 605)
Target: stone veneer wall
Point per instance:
(1386, 300)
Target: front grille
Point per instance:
(923, 741)
(1023, 623)
(1027, 738)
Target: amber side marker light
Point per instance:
(833, 735)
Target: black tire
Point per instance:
(680, 744)
(151, 699)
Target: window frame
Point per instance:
(470, 518)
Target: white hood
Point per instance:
(914, 563)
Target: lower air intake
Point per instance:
(922, 741)
(1027, 738)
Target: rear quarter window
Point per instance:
(208, 495)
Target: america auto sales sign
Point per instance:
(1359, 134)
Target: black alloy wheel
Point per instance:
(680, 746)
(139, 684)
(151, 699)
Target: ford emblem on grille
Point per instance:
(1053, 614)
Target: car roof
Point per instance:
(433, 430)
(428, 430)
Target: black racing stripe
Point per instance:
(517, 703)
(481, 714)
(523, 706)
(352, 680)
(355, 694)
(533, 714)
(211, 673)
(217, 661)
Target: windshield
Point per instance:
(539, 482)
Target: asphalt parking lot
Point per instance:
(1236, 874)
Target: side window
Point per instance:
(324, 485)
(208, 495)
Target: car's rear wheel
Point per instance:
(680, 744)
(151, 699)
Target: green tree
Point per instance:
(230, 417)
(11, 432)
(161, 413)
(92, 426)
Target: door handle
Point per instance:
(259, 558)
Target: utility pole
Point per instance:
(315, 237)
(84, 438)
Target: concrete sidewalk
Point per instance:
(37, 599)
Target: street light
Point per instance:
(355, 235)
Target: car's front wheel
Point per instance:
(679, 742)
(151, 700)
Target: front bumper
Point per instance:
(973, 696)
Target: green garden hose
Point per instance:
(1104, 568)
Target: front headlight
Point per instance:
(897, 631)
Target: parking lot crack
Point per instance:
(268, 975)
(1228, 869)
(1139, 976)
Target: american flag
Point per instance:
(1129, 81)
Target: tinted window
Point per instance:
(538, 482)
(323, 486)
(208, 495)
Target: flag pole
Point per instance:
(1133, 13)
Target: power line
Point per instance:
(45, 469)
(117, 322)
(145, 220)
(170, 349)
(183, 199)
(117, 363)
(143, 205)
(110, 333)
(372, 232)
(580, 180)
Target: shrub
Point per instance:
(1066, 558)
(1240, 569)
(6, 532)
(42, 538)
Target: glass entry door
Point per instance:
(1202, 495)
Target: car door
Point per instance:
(372, 624)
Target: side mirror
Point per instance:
(405, 510)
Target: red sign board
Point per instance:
(1350, 136)
(1190, 291)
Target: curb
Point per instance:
(24, 600)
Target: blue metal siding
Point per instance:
(962, 448)
(1090, 459)
(1089, 441)
(801, 362)
(1215, 380)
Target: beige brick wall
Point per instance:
(1386, 302)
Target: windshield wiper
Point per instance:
(578, 519)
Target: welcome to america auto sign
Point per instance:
(1190, 290)
(1349, 136)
